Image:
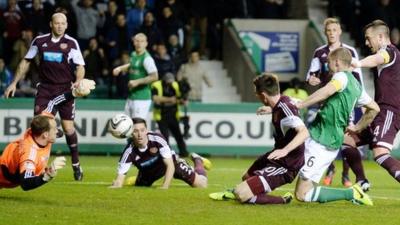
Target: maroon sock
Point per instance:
(346, 167)
(390, 164)
(266, 199)
(199, 167)
(353, 158)
(72, 141)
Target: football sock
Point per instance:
(390, 164)
(325, 194)
(72, 141)
(266, 199)
(199, 167)
(353, 158)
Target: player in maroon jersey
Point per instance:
(61, 68)
(385, 62)
(151, 154)
(281, 165)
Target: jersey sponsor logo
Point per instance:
(63, 46)
(53, 57)
(271, 171)
(149, 162)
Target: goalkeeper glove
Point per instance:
(51, 172)
(84, 87)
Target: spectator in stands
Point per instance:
(176, 51)
(195, 74)
(170, 24)
(117, 38)
(123, 78)
(13, 20)
(135, 17)
(198, 12)
(37, 17)
(20, 48)
(5, 77)
(176, 6)
(96, 62)
(163, 61)
(166, 99)
(151, 30)
(89, 19)
(110, 17)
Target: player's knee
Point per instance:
(200, 181)
(69, 130)
(299, 195)
(243, 192)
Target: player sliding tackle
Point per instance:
(281, 165)
(24, 161)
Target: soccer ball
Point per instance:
(120, 126)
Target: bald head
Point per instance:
(58, 24)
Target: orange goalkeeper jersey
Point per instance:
(22, 155)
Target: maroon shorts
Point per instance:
(382, 131)
(183, 172)
(46, 93)
(266, 175)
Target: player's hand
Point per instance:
(132, 84)
(116, 71)
(277, 154)
(51, 172)
(115, 185)
(352, 129)
(9, 92)
(264, 110)
(163, 187)
(314, 81)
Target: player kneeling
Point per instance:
(281, 165)
(153, 157)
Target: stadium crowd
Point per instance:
(104, 30)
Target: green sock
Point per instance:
(326, 194)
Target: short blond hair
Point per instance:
(342, 54)
(331, 20)
(378, 26)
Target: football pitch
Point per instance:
(64, 201)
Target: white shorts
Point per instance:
(317, 158)
(138, 108)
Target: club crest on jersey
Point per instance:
(44, 45)
(63, 46)
(153, 150)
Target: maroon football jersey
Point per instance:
(57, 58)
(149, 158)
(387, 81)
(319, 64)
(285, 118)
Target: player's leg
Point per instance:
(317, 159)
(258, 164)
(72, 141)
(128, 109)
(173, 125)
(353, 157)
(330, 173)
(141, 108)
(345, 171)
(385, 128)
(185, 172)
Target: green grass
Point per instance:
(64, 201)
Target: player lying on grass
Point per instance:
(153, 157)
(327, 131)
(281, 165)
(24, 161)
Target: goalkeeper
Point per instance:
(24, 161)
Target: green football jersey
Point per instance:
(137, 71)
(333, 117)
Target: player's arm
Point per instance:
(320, 95)
(379, 58)
(124, 165)
(301, 135)
(80, 73)
(123, 68)
(169, 173)
(371, 110)
(314, 69)
(30, 181)
(22, 68)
